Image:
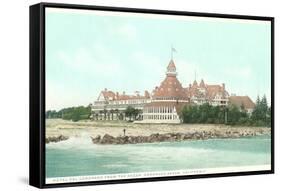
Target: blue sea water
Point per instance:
(79, 156)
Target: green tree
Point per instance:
(214, 114)
(264, 108)
(136, 112)
(260, 115)
(75, 116)
(104, 113)
(111, 113)
(204, 112)
(129, 112)
(186, 114)
(234, 115)
(268, 122)
(51, 114)
(75, 113)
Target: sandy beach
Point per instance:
(57, 127)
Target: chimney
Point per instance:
(105, 89)
(223, 86)
(124, 92)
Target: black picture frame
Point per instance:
(37, 93)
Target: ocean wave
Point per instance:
(81, 142)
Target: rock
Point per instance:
(153, 138)
(187, 136)
(56, 139)
(96, 139)
(156, 137)
(107, 139)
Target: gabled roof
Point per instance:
(130, 97)
(213, 90)
(242, 100)
(110, 95)
(202, 84)
(206, 91)
(170, 88)
(195, 84)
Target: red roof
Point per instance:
(170, 88)
(202, 84)
(195, 83)
(242, 100)
(205, 90)
(107, 94)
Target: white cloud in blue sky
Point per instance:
(86, 53)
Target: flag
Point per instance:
(172, 51)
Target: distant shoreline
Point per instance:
(105, 132)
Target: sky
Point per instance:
(88, 51)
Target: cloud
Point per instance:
(85, 72)
(150, 69)
(94, 62)
(188, 71)
(237, 72)
(127, 31)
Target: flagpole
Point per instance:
(172, 52)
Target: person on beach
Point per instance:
(124, 130)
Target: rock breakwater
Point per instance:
(169, 137)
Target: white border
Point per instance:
(72, 179)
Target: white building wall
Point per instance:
(160, 115)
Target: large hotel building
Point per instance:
(165, 102)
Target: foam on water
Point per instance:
(81, 142)
(79, 156)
